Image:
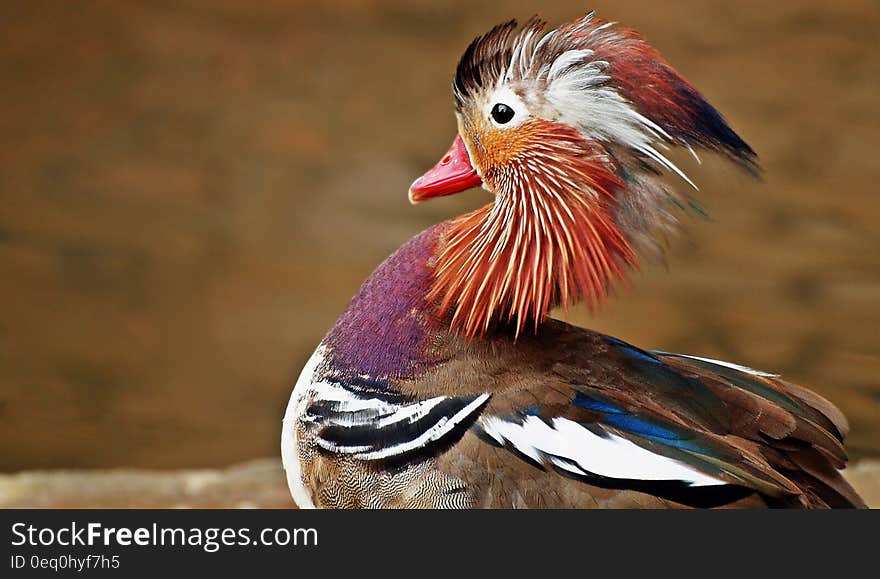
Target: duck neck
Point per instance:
(490, 273)
(390, 330)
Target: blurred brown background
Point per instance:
(191, 191)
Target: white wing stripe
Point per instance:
(578, 448)
(731, 365)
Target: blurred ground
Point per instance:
(191, 191)
(257, 484)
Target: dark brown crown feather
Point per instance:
(483, 62)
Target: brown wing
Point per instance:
(748, 429)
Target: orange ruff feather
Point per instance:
(548, 239)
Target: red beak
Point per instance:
(454, 173)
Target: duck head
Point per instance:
(568, 130)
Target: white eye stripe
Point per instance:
(504, 95)
(566, 61)
(573, 88)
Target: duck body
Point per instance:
(394, 410)
(445, 383)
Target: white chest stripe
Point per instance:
(403, 414)
(568, 445)
(299, 399)
(349, 409)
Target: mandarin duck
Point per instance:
(445, 384)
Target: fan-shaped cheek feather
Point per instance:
(548, 239)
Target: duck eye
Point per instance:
(502, 113)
